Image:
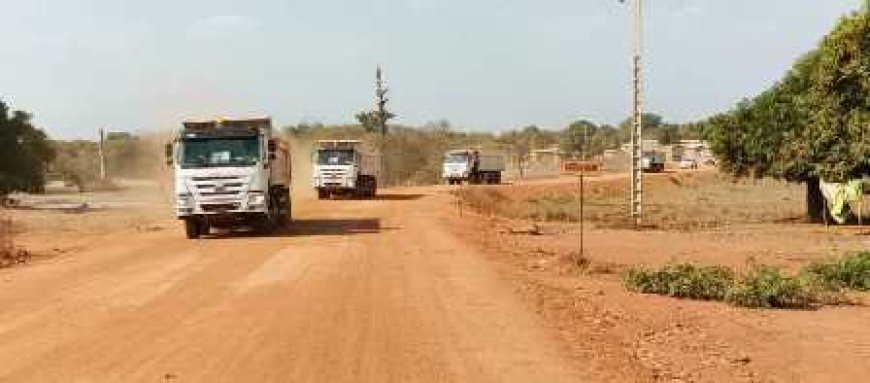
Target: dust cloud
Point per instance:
(300, 153)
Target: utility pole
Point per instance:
(102, 152)
(637, 119)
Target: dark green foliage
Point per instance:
(651, 123)
(668, 134)
(761, 287)
(682, 281)
(813, 123)
(767, 287)
(851, 272)
(373, 121)
(24, 153)
(586, 138)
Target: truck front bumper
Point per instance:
(252, 204)
(334, 183)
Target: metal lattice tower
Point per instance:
(381, 100)
(637, 120)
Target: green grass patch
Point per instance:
(761, 287)
(849, 272)
(767, 287)
(682, 281)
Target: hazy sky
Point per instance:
(484, 64)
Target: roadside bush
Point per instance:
(767, 287)
(761, 287)
(851, 272)
(682, 281)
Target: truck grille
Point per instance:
(218, 186)
(215, 178)
(219, 207)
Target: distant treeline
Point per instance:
(413, 155)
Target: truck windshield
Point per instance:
(219, 151)
(456, 159)
(334, 157)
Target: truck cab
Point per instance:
(342, 167)
(653, 162)
(230, 173)
(458, 165)
(472, 166)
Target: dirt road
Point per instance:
(361, 291)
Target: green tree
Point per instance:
(651, 123)
(372, 120)
(668, 134)
(576, 139)
(25, 150)
(811, 125)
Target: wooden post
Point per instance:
(582, 218)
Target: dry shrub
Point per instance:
(6, 235)
(9, 255)
(489, 200)
(679, 202)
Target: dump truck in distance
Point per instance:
(345, 167)
(230, 173)
(472, 166)
(653, 162)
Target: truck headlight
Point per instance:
(184, 200)
(256, 199)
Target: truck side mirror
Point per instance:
(168, 153)
(273, 146)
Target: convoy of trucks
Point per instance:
(237, 172)
(473, 167)
(230, 173)
(345, 167)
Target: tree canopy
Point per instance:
(25, 152)
(811, 124)
(585, 138)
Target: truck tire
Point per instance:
(265, 225)
(322, 194)
(204, 228)
(366, 187)
(191, 228)
(281, 199)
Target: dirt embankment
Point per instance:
(668, 339)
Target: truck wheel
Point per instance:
(281, 201)
(192, 228)
(265, 225)
(204, 228)
(322, 194)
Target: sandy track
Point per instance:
(362, 291)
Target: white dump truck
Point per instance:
(653, 162)
(472, 166)
(230, 173)
(345, 167)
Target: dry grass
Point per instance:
(9, 254)
(682, 201)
